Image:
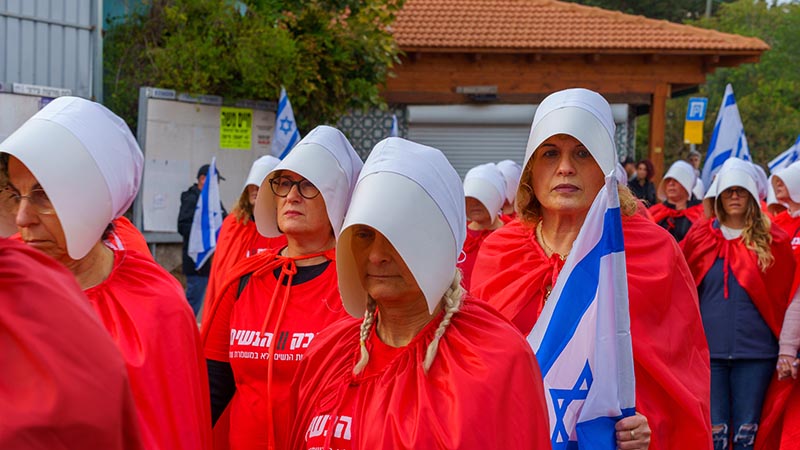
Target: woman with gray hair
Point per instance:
(416, 372)
(72, 169)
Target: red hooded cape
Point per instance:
(264, 334)
(670, 352)
(770, 292)
(127, 237)
(236, 241)
(471, 246)
(63, 383)
(477, 395)
(144, 309)
(662, 211)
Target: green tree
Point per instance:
(331, 55)
(674, 10)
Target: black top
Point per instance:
(679, 226)
(646, 192)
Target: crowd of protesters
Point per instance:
(386, 303)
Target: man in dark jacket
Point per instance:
(196, 279)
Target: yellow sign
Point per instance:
(235, 128)
(693, 132)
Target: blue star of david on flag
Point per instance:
(286, 132)
(582, 338)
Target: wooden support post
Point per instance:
(658, 122)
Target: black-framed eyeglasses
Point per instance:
(37, 198)
(740, 192)
(282, 185)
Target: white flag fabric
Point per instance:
(728, 139)
(786, 158)
(582, 338)
(207, 220)
(394, 132)
(286, 134)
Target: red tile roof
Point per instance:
(551, 26)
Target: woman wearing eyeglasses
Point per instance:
(72, 169)
(271, 306)
(741, 263)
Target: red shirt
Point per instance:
(484, 389)
(243, 330)
(144, 309)
(471, 246)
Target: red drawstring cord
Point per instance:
(725, 251)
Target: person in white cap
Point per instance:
(273, 304)
(740, 262)
(485, 191)
(774, 207)
(570, 152)
(72, 168)
(238, 238)
(679, 208)
(786, 183)
(511, 172)
(416, 372)
(70, 392)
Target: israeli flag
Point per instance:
(786, 158)
(394, 131)
(582, 339)
(286, 134)
(207, 220)
(728, 139)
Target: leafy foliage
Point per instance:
(331, 55)
(674, 10)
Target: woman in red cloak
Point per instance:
(484, 190)
(739, 261)
(511, 172)
(73, 168)
(272, 305)
(570, 149)
(417, 371)
(680, 208)
(69, 392)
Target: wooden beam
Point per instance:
(658, 122)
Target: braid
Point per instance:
(452, 303)
(366, 326)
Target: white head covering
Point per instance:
(86, 159)
(259, 170)
(412, 195)
(512, 173)
(761, 181)
(683, 173)
(486, 184)
(741, 165)
(771, 199)
(326, 159)
(582, 114)
(735, 176)
(791, 178)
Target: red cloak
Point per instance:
(471, 246)
(63, 383)
(769, 292)
(127, 237)
(662, 211)
(670, 352)
(235, 242)
(144, 309)
(264, 334)
(477, 395)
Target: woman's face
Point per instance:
(641, 172)
(477, 213)
(674, 191)
(297, 215)
(252, 193)
(734, 201)
(566, 178)
(36, 220)
(781, 193)
(383, 273)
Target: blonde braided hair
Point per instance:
(452, 303)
